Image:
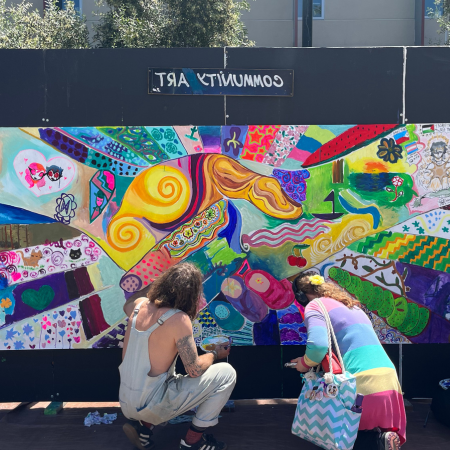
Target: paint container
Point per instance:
(209, 344)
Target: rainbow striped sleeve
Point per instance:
(317, 344)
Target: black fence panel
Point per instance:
(331, 86)
(110, 87)
(427, 86)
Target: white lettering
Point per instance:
(281, 82)
(183, 80)
(171, 78)
(202, 78)
(219, 79)
(211, 77)
(258, 81)
(267, 81)
(230, 80)
(236, 83)
(248, 80)
(161, 79)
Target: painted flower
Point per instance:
(171, 148)
(5, 303)
(27, 329)
(157, 134)
(169, 134)
(316, 280)
(210, 214)
(389, 151)
(188, 233)
(397, 181)
(18, 345)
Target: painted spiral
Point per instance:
(11, 268)
(126, 233)
(57, 258)
(166, 191)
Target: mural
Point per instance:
(90, 216)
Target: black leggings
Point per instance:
(366, 440)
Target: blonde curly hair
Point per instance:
(327, 289)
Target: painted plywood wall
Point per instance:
(89, 216)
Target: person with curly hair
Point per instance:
(160, 329)
(383, 420)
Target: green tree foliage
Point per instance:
(24, 28)
(441, 12)
(172, 23)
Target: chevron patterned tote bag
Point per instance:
(323, 414)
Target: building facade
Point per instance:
(344, 23)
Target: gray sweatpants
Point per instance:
(209, 393)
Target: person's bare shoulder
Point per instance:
(131, 305)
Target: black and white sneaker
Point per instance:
(207, 442)
(139, 435)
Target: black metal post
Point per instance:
(307, 21)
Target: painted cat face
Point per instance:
(36, 254)
(54, 173)
(75, 253)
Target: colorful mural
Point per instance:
(90, 216)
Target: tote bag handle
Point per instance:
(331, 335)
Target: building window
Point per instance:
(318, 7)
(431, 7)
(62, 4)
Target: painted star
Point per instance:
(256, 137)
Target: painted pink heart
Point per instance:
(55, 325)
(44, 345)
(48, 323)
(62, 323)
(78, 324)
(15, 276)
(45, 185)
(69, 309)
(77, 339)
(44, 327)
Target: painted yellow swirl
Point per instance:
(342, 234)
(161, 194)
(126, 233)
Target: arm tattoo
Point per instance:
(188, 353)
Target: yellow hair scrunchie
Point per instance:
(316, 280)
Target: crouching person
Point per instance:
(151, 393)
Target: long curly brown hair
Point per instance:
(179, 288)
(327, 289)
